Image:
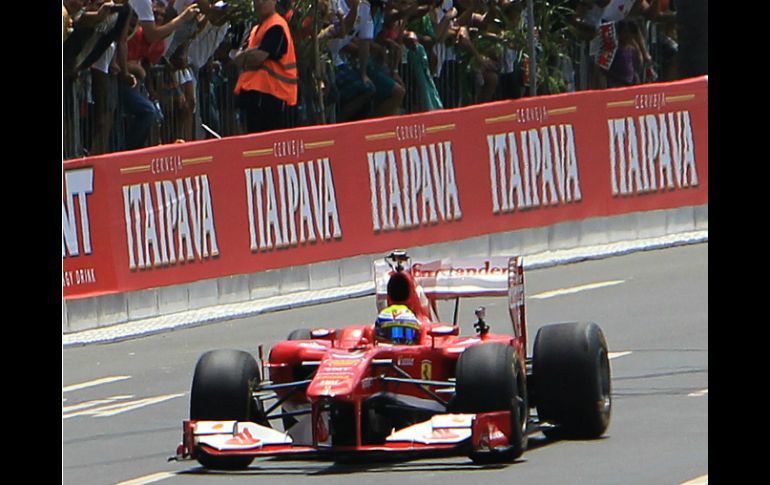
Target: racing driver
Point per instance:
(397, 324)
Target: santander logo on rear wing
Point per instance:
(458, 277)
(451, 278)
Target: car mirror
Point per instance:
(363, 343)
(323, 333)
(444, 330)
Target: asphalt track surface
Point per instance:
(123, 403)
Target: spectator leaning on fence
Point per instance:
(588, 23)
(447, 65)
(322, 93)
(419, 39)
(176, 55)
(90, 27)
(389, 94)
(354, 94)
(153, 31)
(635, 11)
(481, 55)
(421, 25)
(511, 76)
(391, 37)
(359, 80)
(188, 48)
(104, 87)
(137, 95)
(103, 72)
(135, 101)
(419, 66)
(200, 51)
(82, 13)
(627, 64)
(596, 20)
(268, 80)
(443, 15)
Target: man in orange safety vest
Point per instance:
(268, 80)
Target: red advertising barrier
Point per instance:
(180, 213)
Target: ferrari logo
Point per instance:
(426, 369)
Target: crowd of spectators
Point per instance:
(133, 65)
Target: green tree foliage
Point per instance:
(553, 37)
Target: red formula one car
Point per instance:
(352, 392)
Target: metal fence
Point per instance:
(95, 121)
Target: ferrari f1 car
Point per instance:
(342, 392)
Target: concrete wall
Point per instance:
(108, 310)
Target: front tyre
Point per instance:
(489, 378)
(571, 374)
(300, 334)
(222, 390)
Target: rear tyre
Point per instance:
(489, 378)
(222, 390)
(571, 373)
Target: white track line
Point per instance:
(155, 477)
(138, 404)
(113, 409)
(615, 355)
(699, 393)
(95, 382)
(90, 404)
(701, 480)
(575, 289)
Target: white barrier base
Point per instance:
(115, 317)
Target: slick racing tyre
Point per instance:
(571, 374)
(222, 390)
(489, 378)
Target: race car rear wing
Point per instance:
(452, 278)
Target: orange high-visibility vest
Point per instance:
(278, 78)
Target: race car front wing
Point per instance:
(462, 432)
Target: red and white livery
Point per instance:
(341, 391)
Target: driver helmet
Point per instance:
(397, 324)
